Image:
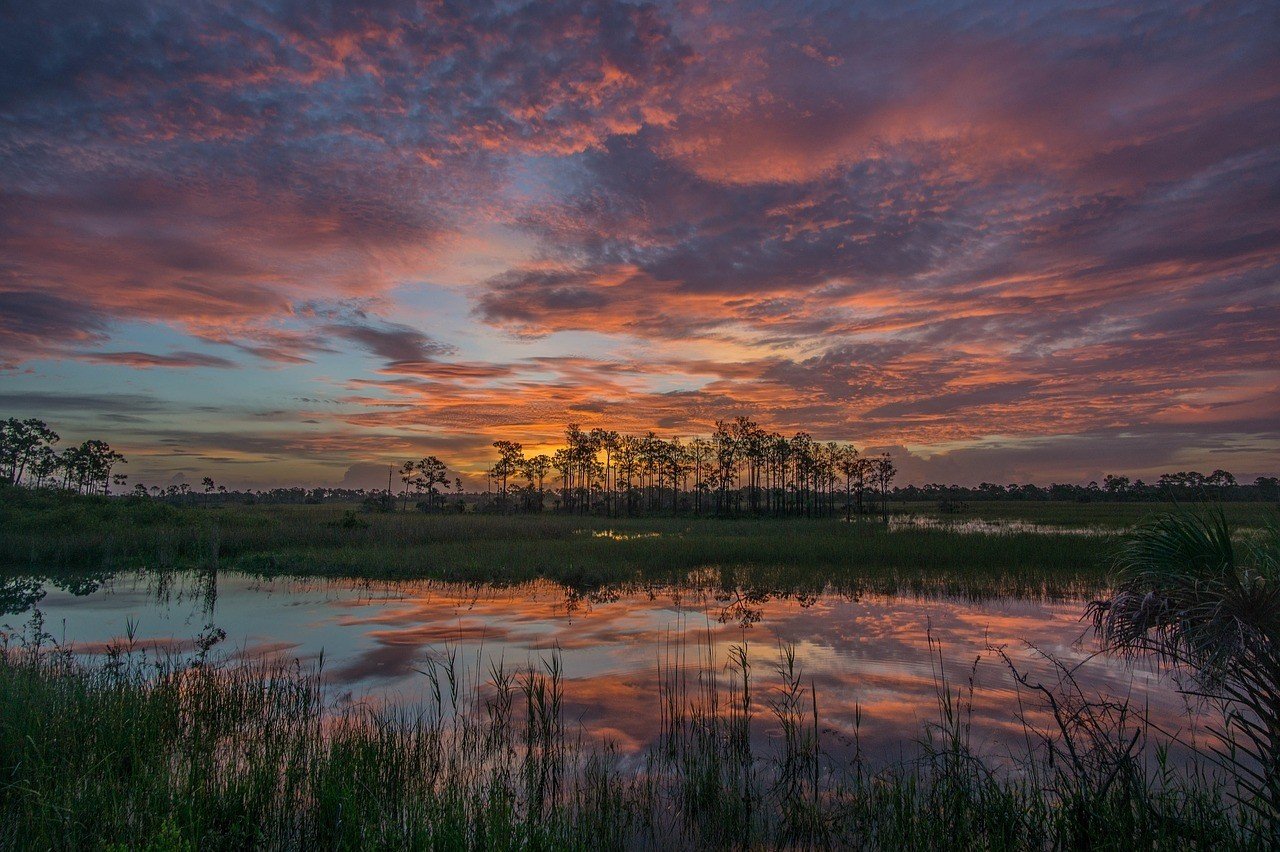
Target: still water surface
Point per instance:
(876, 661)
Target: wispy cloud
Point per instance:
(146, 360)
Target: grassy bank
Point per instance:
(143, 755)
(49, 533)
(1098, 514)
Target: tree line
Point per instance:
(1186, 486)
(740, 469)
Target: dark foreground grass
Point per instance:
(47, 533)
(135, 754)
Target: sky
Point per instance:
(290, 242)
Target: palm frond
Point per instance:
(1187, 595)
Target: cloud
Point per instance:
(33, 324)
(365, 475)
(392, 341)
(215, 168)
(145, 360)
(934, 229)
(33, 403)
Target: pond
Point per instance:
(878, 664)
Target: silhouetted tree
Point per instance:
(20, 442)
(849, 464)
(408, 472)
(882, 474)
(430, 473)
(536, 469)
(510, 462)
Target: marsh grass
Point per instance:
(143, 753)
(42, 533)
(1118, 516)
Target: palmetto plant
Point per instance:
(1193, 597)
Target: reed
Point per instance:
(143, 753)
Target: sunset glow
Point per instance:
(284, 243)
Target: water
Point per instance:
(877, 662)
(979, 526)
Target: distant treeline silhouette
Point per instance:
(1184, 486)
(740, 469)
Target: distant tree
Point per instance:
(676, 464)
(849, 464)
(408, 472)
(535, 469)
(700, 451)
(627, 465)
(802, 458)
(585, 447)
(20, 442)
(606, 440)
(1220, 481)
(780, 458)
(432, 472)
(510, 461)
(87, 468)
(883, 474)
(575, 486)
(562, 461)
(43, 466)
(207, 482)
(751, 443)
(649, 460)
(725, 451)
(1115, 485)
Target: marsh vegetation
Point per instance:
(188, 746)
(144, 753)
(46, 532)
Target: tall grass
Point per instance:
(139, 753)
(48, 534)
